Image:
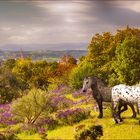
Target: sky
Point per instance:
(57, 24)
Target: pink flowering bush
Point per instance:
(6, 116)
(50, 122)
(71, 116)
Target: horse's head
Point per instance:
(87, 84)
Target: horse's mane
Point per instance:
(100, 81)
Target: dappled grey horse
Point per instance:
(102, 93)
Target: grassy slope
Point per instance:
(130, 129)
(127, 130)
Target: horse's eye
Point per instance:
(86, 82)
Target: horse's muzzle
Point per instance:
(84, 90)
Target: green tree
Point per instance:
(127, 64)
(78, 74)
(9, 85)
(23, 71)
(39, 78)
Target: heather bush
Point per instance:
(48, 122)
(78, 93)
(71, 116)
(60, 89)
(42, 133)
(60, 102)
(6, 116)
(92, 133)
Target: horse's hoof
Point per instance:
(100, 116)
(121, 120)
(134, 116)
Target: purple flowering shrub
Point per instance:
(50, 122)
(6, 116)
(71, 116)
(78, 93)
(60, 102)
(42, 133)
(61, 89)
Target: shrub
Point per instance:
(30, 107)
(42, 133)
(79, 73)
(92, 133)
(9, 85)
(60, 102)
(71, 116)
(9, 135)
(6, 116)
(47, 121)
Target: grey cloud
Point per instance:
(20, 18)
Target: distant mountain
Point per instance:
(33, 47)
(49, 55)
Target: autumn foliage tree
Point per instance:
(115, 57)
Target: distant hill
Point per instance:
(49, 55)
(52, 47)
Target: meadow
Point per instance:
(129, 129)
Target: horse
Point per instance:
(102, 93)
(129, 94)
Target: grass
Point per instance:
(25, 136)
(129, 129)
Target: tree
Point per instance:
(127, 64)
(23, 71)
(9, 85)
(102, 53)
(78, 74)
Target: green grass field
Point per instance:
(129, 129)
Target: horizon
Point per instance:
(50, 25)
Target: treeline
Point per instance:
(19, 76)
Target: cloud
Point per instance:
(53, 22)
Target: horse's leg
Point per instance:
(137, 108)
(125, 108)
(133, 110)
(99, 102)
(114, 113)
(120, 111)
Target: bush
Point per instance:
(30, 107)
(47, 121)
(6, 116)
(79, 73)
(8, 136)
(60, 102)
(92, 133)
(42, 133)
(71, 116)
